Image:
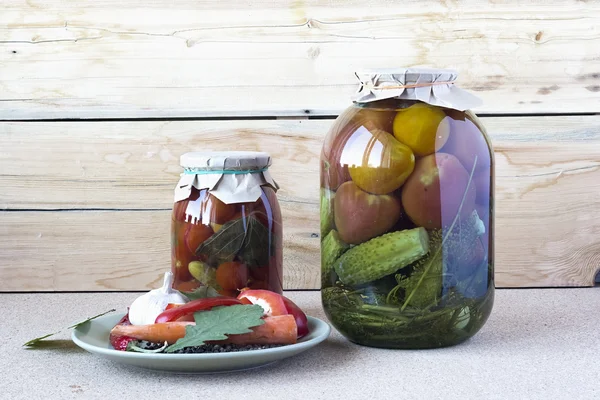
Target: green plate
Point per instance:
(93, 337)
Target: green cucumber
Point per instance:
(381, 256)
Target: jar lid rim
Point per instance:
(413, 71)
(225, 160)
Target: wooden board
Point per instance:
(136, 164)
(122, 250)
(548, 203)
(159, 58)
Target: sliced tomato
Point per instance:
(271, 302)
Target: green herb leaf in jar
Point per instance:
(245, 238)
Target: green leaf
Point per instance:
(257, 244)
(219, 322)
(78, 324)
(36, 341)
(201, 293)
(224, 245)
(425, 282)
(246, 238)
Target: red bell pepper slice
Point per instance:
(271, 302)
(275, 304)
(121, 342)
(299, 315)
(193, 306)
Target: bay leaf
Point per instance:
(257, 245)
(245, 238)
(224, 245)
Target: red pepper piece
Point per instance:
(299, 315)
(276, 304)
(121, 342)
(245, 301)
(271, 302)
(193, 306)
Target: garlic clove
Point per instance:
(147, 307)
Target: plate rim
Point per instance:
(299, 346)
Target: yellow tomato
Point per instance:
(422, 127)
(377, 162)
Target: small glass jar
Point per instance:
(226, 230)
(407, 215)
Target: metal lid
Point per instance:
(225, 160)
(430, 85)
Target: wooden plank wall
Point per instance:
(84, 203)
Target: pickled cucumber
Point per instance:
(326, 211)
(382, 256)
(332, 248)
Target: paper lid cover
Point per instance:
(231, 176)
(433, 86)
(225, 160)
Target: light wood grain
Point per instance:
(136, 164)
(159, 58)
(122, 250)
(548, 203)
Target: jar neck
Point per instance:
(204, 171)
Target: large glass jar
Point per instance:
(226, 230)
(407, 219)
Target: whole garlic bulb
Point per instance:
(147, 307)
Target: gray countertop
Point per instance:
(537, 344)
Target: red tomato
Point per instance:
(180, 254)
(181, 260)
(360, 216)
(258, 285)
(196, 235)
(260, 273)
(232, 275)
(214, 210)
(188, 286)
(337, 144)
(228, 293)
(179, 210)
